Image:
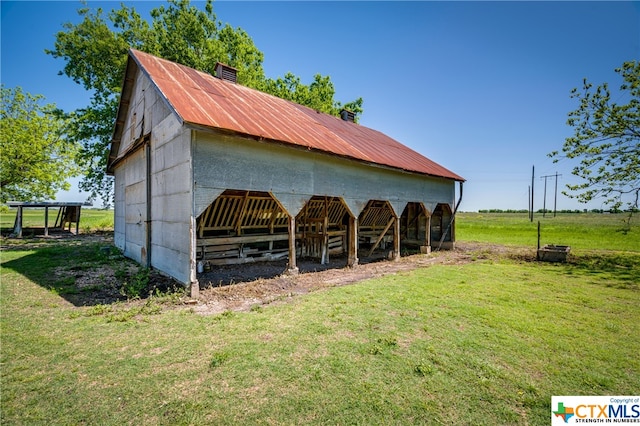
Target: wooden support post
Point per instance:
(17, 227)
(352, 259)
(426, 249)
(292, 268)
(325, 238)
(46, 221)
(78, 220)
(396, 240)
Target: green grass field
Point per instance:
(90, 219)
(583, 231)
(486, 342)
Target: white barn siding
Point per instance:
(135, 210)
(130, 192)
(171, 199)
(170, 182)
(118, 210)
(293, 176)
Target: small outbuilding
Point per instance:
(207, 170)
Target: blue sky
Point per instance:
(482, 88)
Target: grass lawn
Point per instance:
(486, 342)
(584, 231)
(90, 219)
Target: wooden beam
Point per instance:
(396, 240)
(325, 239)
(17, 227)
(386, 228)
(292, 268)
(46, 221)
(243, 209)
(352, 259)
(242, 239)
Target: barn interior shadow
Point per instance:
(224, 275)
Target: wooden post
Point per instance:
(46, 221)
(538, 250)
(396, 240)
(17, 229)
(325, 239)
(426, 249)
(292, 268)
(352, 259)
(78, 219)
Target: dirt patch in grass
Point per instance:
(95, 273)
(246, 287)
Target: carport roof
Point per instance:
(200, 99)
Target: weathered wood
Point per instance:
(241, 260)
(243, 209)
(222, 247)
(17, 229)
(220, 255)
(68, 213)
(352, 259)
(325, 240)
(396, 240)
(260, 238)
(386, 228)
(46, 221)
(292, 268)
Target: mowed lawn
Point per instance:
(90, 219)
(484, 342)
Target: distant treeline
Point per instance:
(557, 211)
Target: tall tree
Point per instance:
(606, 141)
(95, 54)
(36, 158)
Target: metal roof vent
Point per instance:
(225, 72)
(347, 115)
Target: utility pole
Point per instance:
(555, 198)
(544, 200)
(533, 173)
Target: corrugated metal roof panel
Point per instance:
(204, 100)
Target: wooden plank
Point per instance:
(221, 255)
(243, 209)
(224, 247)
(241, 260)
(243, 239)
(375, 245)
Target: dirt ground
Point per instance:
(242, 287)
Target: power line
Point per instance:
(555, 198)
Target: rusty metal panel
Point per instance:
(203, 100)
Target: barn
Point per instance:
(209, 171)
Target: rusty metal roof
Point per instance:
(203, 100)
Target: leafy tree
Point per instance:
(606, 140)
(318, 95)
(95, 54)
(35, 157)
